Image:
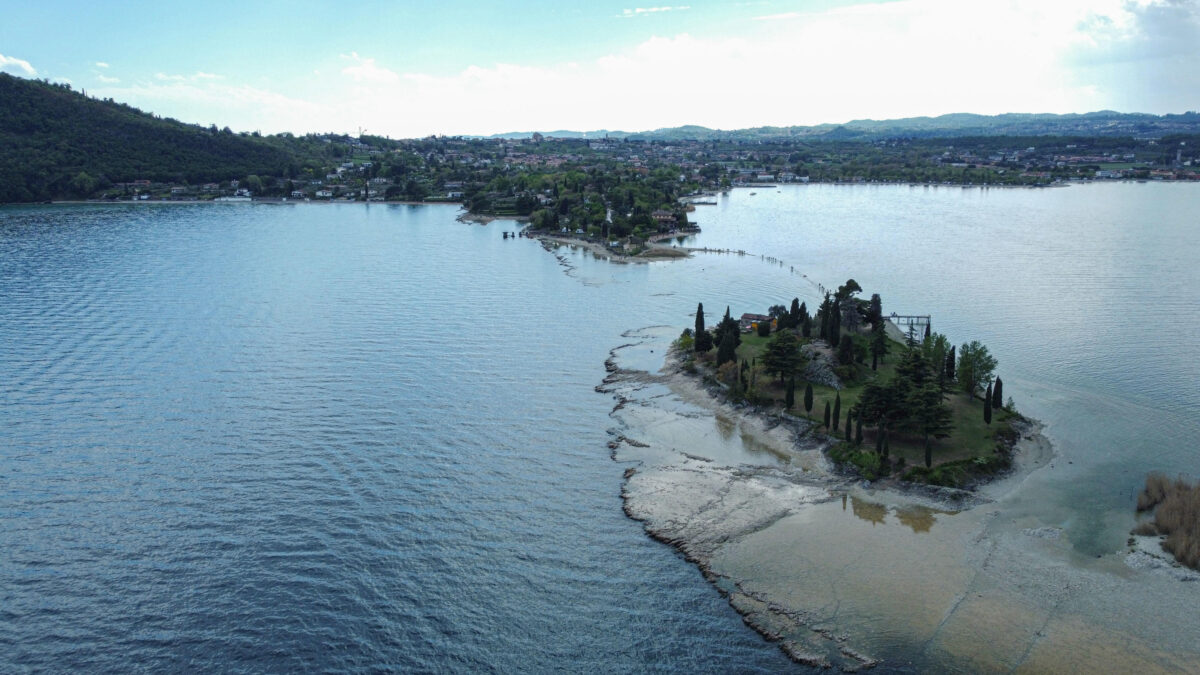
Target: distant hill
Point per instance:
(57, 143)
(1101, 123)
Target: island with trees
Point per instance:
(913, 407)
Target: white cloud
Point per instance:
(646, 11)
(206, 101)
(101, 64)
(201, 75)
(106, 79)
(906, 58)
(366, 71)
(9, 64)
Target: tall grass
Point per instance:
(1176, 505)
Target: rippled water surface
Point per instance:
(299, 438)
(355, 438)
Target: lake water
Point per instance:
(355, 438)
(1086, 295)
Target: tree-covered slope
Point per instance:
(56, 143)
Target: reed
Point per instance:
(1176, 505)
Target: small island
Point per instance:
(903, 406)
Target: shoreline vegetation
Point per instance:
(908, 408)
(1173, 507)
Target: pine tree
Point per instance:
(928, 327)
(997, 394)
(950, 361)
(826, 415)
(835, 323)
(837, 410)
(806, 325)
(790, 399)
(808, 398)
(987, 406)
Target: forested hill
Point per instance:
(57, 143)
(1104, 123)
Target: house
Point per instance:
(210, 187)
(749, 321)
(454, 194)
(662, 216)
(297, 194)
(178, 190)
(324, 194)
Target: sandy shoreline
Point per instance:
(845, 574)
(652, 252)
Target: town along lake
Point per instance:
(357, 435)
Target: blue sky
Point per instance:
(457, 66)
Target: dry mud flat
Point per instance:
(850, 576)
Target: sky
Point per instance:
(410, 68)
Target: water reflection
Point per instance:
(869, 511)
(917, 518)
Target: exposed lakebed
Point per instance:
(844, 574)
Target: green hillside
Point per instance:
(57, 143)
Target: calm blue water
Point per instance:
(322, 438)
(358, 438)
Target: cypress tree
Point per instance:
(808, 397)
(703, 340)
(928, 453)
(837, 410)
(727, 351)
(858, 433)
(987, 406)
(790, 399)
(879, 439)
(950, 359)
(827, 415)
(806, 325)
(998, 394)
(886, 444)
(928, 328)
(794, 314)
(848, 425)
